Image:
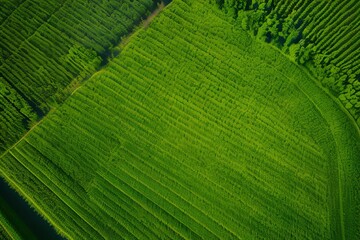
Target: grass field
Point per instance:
(322, 35)
(194, 131)
(48, 47)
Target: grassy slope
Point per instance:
(183, 136)
(36, 64)
(48, 47)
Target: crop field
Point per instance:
(322, 35)
(194, 131)
(48, 47)
(331, 33)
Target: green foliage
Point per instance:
(45, 46)
(183, 136)
(321, 36)
(86, 58)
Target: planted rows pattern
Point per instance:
(177, 138)
(46, 45)
(7, 232)
(322, 35)
(330, 33)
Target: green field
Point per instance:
(322, 35)
(47, 48)
(195, 130)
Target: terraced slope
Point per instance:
(194, 131)
(46, 45)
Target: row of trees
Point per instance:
(148, 145)
(316, 42)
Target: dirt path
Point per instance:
(151, 17)
(143, 25)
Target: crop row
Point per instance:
(322, 34)
(164, 143)
(45, 45)
(7, 231)
(154, 142)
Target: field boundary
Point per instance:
(33, 203)
(308, 87)
(338, 160)
(142, 25)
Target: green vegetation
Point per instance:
(6, 229)
(48, 47)
(11, 226)
(195, 130)
(322, 35)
